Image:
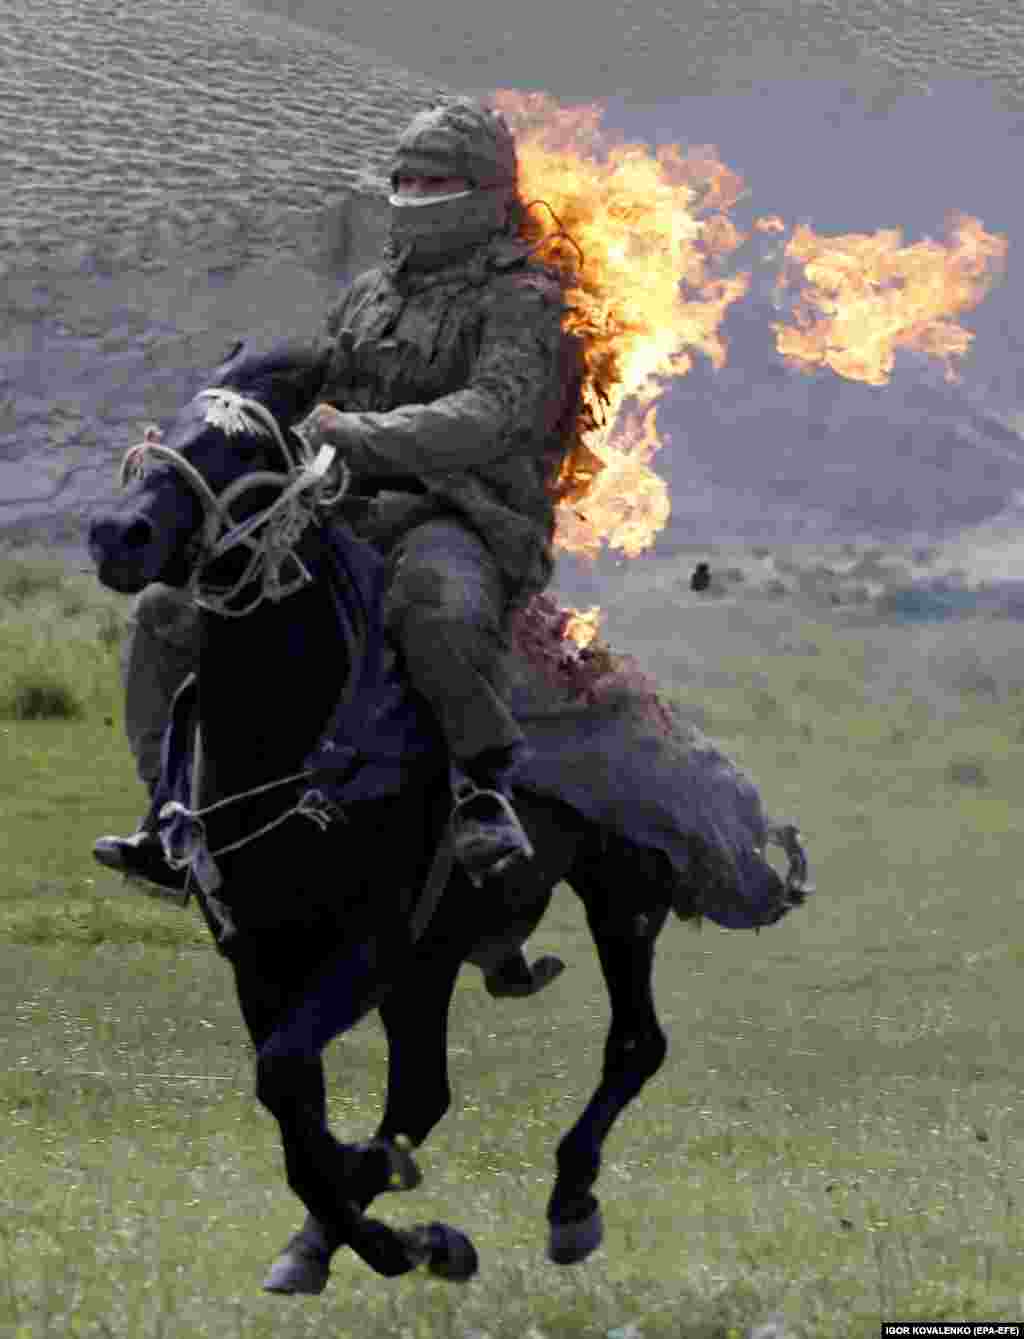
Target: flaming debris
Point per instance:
(867, 295)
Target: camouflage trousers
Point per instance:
(445, 609)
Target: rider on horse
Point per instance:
(447, 384)
(451, 390)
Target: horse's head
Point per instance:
(156, 531)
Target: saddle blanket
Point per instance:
(602, 740)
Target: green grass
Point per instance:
(836, 1133)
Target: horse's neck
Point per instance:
(268, 683)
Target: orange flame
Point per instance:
(653, 229)
(583, 624)
(651, 290)
(868, 295)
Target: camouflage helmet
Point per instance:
(463, 138)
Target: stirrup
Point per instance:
(469, 797)
(489, 843)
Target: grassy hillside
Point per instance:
(835, 1135)
(65, 772)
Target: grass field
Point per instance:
(835, 1136)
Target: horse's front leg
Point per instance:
(415, 1018)
(324, 1172)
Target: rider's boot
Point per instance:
(141, 856)
(488, 836)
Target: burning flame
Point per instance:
(867, 295)
(651, 290)
(582, 625)
(653, 229)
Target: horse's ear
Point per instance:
(290, 367)
(227, 363)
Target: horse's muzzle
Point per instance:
(122, 549)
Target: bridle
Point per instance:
(304, 494)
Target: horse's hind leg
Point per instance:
(624, 924)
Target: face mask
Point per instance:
(436, 229)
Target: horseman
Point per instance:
(451, 391)
(447, 380)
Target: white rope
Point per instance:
(306, 808)
(787, 836)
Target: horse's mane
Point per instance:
(288, 361)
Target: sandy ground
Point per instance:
(187, 173)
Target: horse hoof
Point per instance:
(569, 1243)
(300, 1269)
(449, 1253)
(535, 978)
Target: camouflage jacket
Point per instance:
(462, 383)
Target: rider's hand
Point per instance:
(324, 424)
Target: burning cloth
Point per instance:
(607, 744)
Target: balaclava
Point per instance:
(460, 139)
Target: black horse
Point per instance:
(320, 920)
